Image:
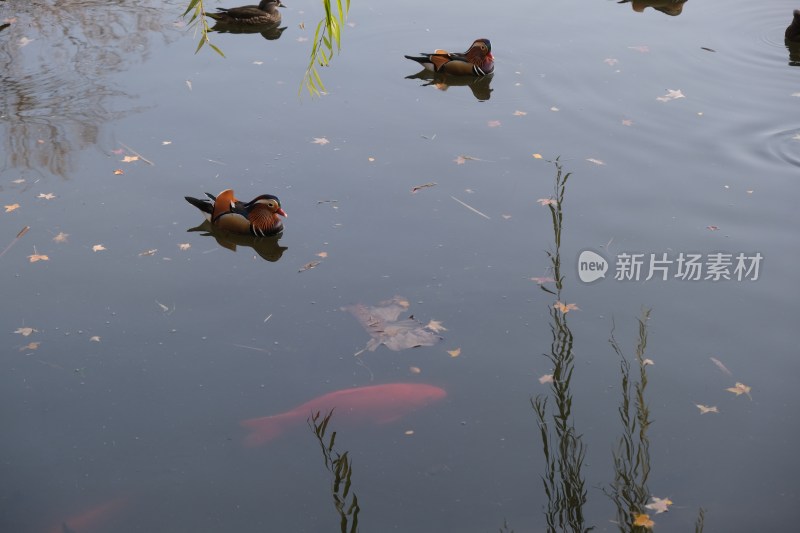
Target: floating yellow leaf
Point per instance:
(740, 388)
(61, 237)
(98, 248)
(12, 207)
(322, 255)
(435, 326)
(26, 331)
(566, 308)
(30, 346)
(37, 257)
(706, 409)
(184, 246)
(537, 156)
(672, 94)
(130, 158)
(642, 520)
(320, 140)
(48, 196)
(118, 172)
(454, 353)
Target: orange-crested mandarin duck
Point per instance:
(265, 12)
(793, 31)
(477, 61)
(258, 217)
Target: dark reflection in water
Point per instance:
(54, 65)
(341, 467)
(267, 247)
(563, 446)
(480, 86)
(270, 32)
(672, 8)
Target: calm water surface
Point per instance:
(121, 405)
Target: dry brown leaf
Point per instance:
(659, 505)
(94, 338)
(26, 331)
(706, 409)
(493, 123)
(149, 252)
(646, 362)
(320, 140)
(423, 186)
(98, 248)
(384, 326)
(435, 326)
(322, 255)
(454, 353)
(48, 196)
(118, 172)
(546, 201)
(30, 346)
(184, 246)
(414, 369)
(308, 266)
(541, 280)
(739, 389)
(520, 113)
(10, 208)
(33, 258)
(546, 378)
(672, 94)
(61, 237)
(129, 158)
(642, 520)
(566, 308)
(537, 156)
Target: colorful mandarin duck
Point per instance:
(793, 31)
(264, 13)
(258, 217)
(477, 61)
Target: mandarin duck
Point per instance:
(477, 61)
(672, 8)
(258, 217)
(793, 31)
(265, 12)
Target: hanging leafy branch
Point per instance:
(199, 18)
(327, 35)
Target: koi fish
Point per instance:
(91, 519)
(375, 404)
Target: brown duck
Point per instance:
(264, 13)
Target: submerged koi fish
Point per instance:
(375, 404)
(92, 519)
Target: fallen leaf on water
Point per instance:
(18, 181)
(610, 61)
(48, 196)
(98, 248)
(308, 266)
(435, 326)
(94, 338)
(739, 389)
(627, 122)
(659, 505)
(706, 409)
(12, 207)
(643, 49)
(30, 346)
(712, 228)
(322, 255)
(566, 308)
(493, 123)
(555, 109)
(454, 353)
(460, 160)
(520, 113)
(546, 201)
(596, 161)
(672, 94)
(408, 432)
(149, 252)
(26, 331)
(642, 520)
(320, 140)
(414, 369)
(537, 156)
(506, 217)
(33, 258)
(129, 159)
(547, 378)
(118, 172)
(61, 237)
(646, 362)
(384, 326)
(541, 280)
(184, 246)
(721, 366)
(416, 188)
(166, 143)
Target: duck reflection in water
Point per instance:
(480, 86)
(267, 247)
(672, 8)
(792, 39)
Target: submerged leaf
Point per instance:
(384, 326)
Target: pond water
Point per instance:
(134, 348)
